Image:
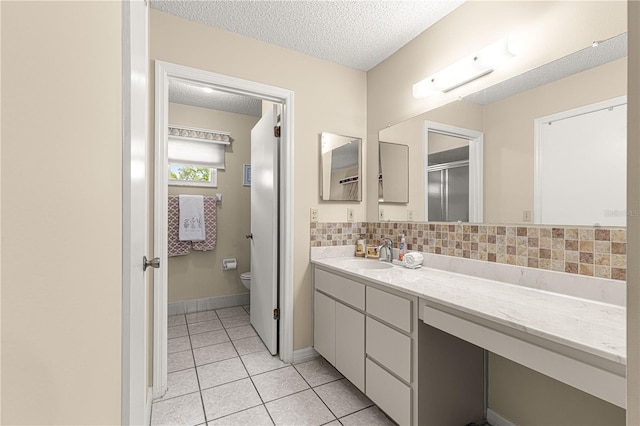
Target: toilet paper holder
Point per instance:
(229, 264)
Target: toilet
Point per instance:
(245, 277)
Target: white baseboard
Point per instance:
(496, 419)
(208, 304)
(305, 354)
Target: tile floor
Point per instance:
(220, 373)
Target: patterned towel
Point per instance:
(210, 214)
(176, 247)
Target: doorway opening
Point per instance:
(281, 199)
(452, 166)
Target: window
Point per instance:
(195, 155)
(190, 175)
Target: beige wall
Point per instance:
(509, 141)
(439, 142)
(61, 212)
(633, 221)
(328, 97)
(467, 29)
(199, 274)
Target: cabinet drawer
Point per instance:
(390, 348)
(389, 393)
(388, 307)
(341, 288)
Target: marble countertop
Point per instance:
(590, 326)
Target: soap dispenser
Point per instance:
(403, 246)
(361, 247)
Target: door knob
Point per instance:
(249, 236)
(154, 263)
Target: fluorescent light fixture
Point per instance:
(465, 70)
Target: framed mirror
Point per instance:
(340, 168)
(506, 115)
(393, 173)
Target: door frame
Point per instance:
(476, 184)
(136, 395)
(163, 72)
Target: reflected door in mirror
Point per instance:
(393, 173)
(448, 179)
(581, 159)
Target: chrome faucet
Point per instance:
(387, 245)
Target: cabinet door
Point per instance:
(350, 344)
(324, 326)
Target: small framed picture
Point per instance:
(246, 174)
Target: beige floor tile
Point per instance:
(278, 383)
(318, 372)
(342, 397)
(229, 398)
(300, 409)
(221, 372)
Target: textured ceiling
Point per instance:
(358, 34)
(582, 60)
(185, 93)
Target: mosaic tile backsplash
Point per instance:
(598, 252)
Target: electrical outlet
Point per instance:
(380, 214)
(410, 215)
(526, 215)
(314, 215)
(349, 215)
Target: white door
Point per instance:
(264, 229)
(134, 213)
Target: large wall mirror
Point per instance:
(340, 168)
(505, 115)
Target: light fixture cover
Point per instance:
(465, 70)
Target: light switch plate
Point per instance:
(314, 214)
(526, 215)
(349, 215)
(380, 214)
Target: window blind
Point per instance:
(194, 152)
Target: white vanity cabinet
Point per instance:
(414, 373)
(367, 334)
(339, 324)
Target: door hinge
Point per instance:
(276, 314)
(276, 131)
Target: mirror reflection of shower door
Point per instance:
(452, 161)
(458, 194)
(436, 196)
(448, 192)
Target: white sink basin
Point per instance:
(368, 264)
